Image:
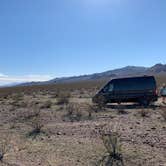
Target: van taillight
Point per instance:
(156, 92)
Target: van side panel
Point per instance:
(132, 89)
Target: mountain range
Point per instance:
(121, 72)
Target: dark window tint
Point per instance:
(142, 83)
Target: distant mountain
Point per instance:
(158, 68)
(126, 71)
(121, 72)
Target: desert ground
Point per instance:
(58, 125)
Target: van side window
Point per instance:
(111, 88)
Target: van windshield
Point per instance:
(108, 88)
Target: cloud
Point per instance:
(5, 79)
(2, 75)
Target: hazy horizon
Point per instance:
(41, 40)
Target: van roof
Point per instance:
(137, 77)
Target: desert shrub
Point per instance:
(70, 109)
(23, 104)
(63, 98)
(81, 111)
(78, 116)
(17, 103)
(74, 112)
(12, 125)
(96, 107)
(27, 114)
(2, 151)
(4, 147)
(101, 103)
(163, 113)
(144, 112)
(89, 110)
(47, 104)
(113, 156)
(54, 95)
(37, 124)
(17, 96)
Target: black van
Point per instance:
(132, 89)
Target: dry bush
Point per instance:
(100, 102)
(80, 111)
(54, 95)
(96, 107)
(37, 124)
(17, 96)
(28, 114)
(113, 156)
(73, 112)
(47, 104)
(35, 120)
(90, 110)
(163, 113)
(144, 112)
(63, 98)
(2, 150)
(4, 146)
(20, 104)
(70, 109)
(17, 100)
(12, 125)
(77, 112)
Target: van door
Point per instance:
(121, 92)
(107, 91)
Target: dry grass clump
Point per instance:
(113, 156)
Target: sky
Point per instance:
(44, 39)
